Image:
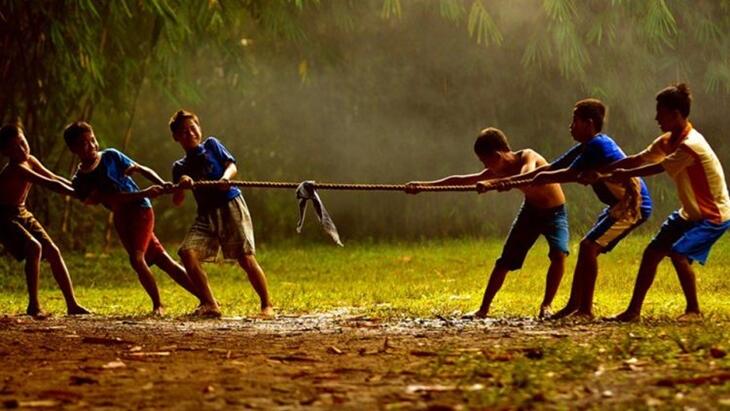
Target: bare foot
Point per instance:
(568, 310)
(207, 311)
(158, 311)
(268, 312)
(626, 317)
(545, 313)
(581, 316)
(37, 313)
(77, 310)
(479, 314)
(691, 316)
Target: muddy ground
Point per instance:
(345, 361)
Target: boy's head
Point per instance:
(588, 118)
(13, 143)
(490, 145)
(185, 128)
(80, 139)
(673, 106)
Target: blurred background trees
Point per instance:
(355, 91)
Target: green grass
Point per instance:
(383, 279)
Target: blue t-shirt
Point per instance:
(108, 178)
(595, 153)
(207, 161)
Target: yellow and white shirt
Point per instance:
(697, 173)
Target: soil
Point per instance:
(324, 361)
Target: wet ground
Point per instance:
(340, 360)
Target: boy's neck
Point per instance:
(90, 163)
(193, 149)
(681, 129)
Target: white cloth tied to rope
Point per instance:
(306, 192)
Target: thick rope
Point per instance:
(353, 187)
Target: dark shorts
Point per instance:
(530, 223)
(608, 231)
(17, 228)
(692, 239)
(135, 226)
(227, 228)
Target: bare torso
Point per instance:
(541, 196)
(14, 186)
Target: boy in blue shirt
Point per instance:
(628, 204)
(104, 177)
(223, 221)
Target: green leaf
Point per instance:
(481, 25)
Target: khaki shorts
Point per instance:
(228, 228)
(17, 228)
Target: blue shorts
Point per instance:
(607, 232)
(692, 239)
(530, 223)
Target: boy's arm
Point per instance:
(455, 180)
(116, 198)
(39, 168)
(178, 195)
(230, 171)
(147, 172)
(55, 185)
(505, 183)
(645, 171)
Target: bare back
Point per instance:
(14, 185)
(541, 196)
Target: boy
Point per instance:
(104, 177)
(223, 221)
(542, 213)
(20, 233)
(628, 205)
(688, 233)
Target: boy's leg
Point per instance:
(235, 233)
(687, 281)
(134, 226)
(557, 234)
(144, 274)
(60, 273)
(52, 254)
(587, 270)
(647, 272)
(496, 279)
(23, 246)
(552, 282)
(199, 278)
(33, 252)
(257, 278)
(522, 236)
(200, 243)
(177, 272)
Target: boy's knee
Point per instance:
(678, 258)
(33, 249)
(51, 251)
(137, 258)
(557, 256)
(186, 255)
(247, 261)
(589, 247)
(653, 254)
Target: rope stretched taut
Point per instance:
(353, 187)
(334, 186)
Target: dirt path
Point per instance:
(337, 360)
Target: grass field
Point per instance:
(386, 280)
(347, 336)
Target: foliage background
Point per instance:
(353, 91)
